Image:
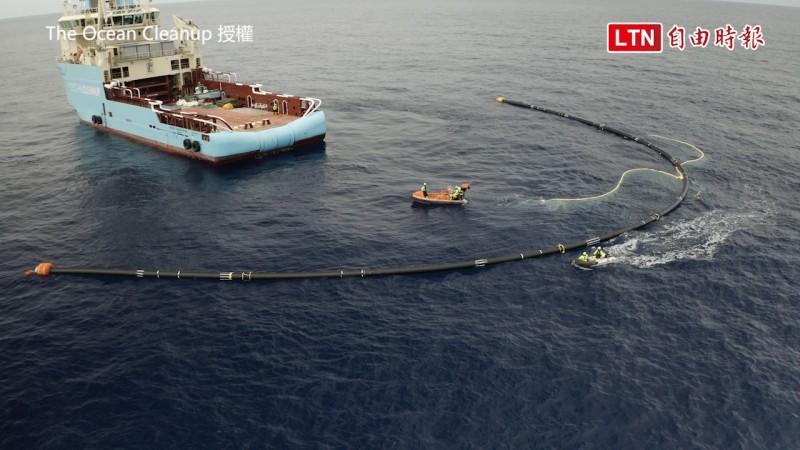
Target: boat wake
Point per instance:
(697, 239)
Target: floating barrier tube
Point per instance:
(44, 269)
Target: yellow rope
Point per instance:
(641, 169)
(702, 155)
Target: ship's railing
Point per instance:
(215, 76)
(126, 91)
(125, 9)
(230, 128)
(124, 94)
(131, 9)
(254, 96)
(190, 121)
(123, 5)
(312, 104)
(137, 101)
(184, 120)
(155, 54)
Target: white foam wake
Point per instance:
(697, 239)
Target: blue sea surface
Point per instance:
(688, 339)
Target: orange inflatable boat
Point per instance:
(444, 197)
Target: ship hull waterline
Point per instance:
(219, 161)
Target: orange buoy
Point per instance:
(43, 270)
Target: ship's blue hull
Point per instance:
(85, 92)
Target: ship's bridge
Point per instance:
(119, 37)
(108, 13)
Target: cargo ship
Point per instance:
(126, 75)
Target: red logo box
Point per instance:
(634, 37)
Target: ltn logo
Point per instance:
(634, 37)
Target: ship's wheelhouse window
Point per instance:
(143, 50)
(185, 63)
(117, 20)
(70, 24)
(168, 47)
(120, 72)
(175, 65)
(155, 49)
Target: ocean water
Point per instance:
(688, 339)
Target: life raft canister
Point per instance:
(187, 144)
(196, 146)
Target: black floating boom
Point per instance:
(44, 269)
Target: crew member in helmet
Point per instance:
(456, 193)
(599, 253)
(584, 257)
(424, 189)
